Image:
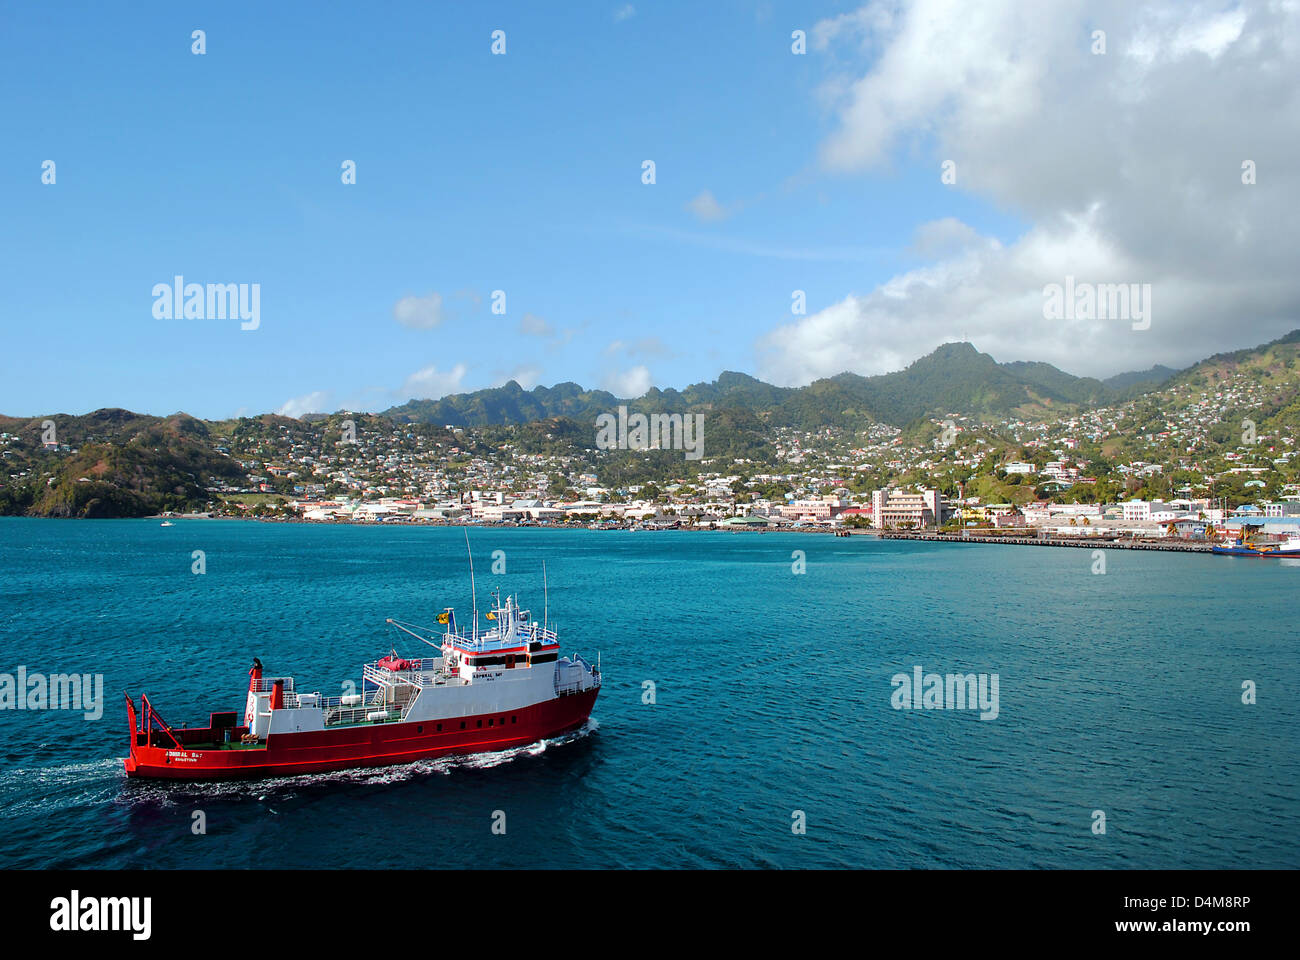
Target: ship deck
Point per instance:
(210, 745)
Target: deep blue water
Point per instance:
(1119, 693)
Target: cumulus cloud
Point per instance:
(534, 326)
(527, 375)
(314, 402)
(705, 206)
(431, 383)
(1127, 168)
(629, 383)
(941, 238)
(642, 347)
(420, 313)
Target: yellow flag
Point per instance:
(491, 615)
(442, 618)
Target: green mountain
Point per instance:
(1143, 380)
(125, 465)
(114, 462)
(506, 404)
(954, 379)
(1272, 361)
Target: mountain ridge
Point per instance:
(954, 378)
(114, 462)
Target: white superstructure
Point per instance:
(513, 665)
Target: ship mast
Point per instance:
(472, 592)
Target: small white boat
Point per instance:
(166, 523)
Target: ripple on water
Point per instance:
(772, 694)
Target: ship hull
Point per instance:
(365, 745)
(1251, 552)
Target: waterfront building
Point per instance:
(1008, 518)
(1075, 509)
(744, 523)
(1136, 510)
(898, 508)
(818, 510)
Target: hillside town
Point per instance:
(1128, 471)
(1195, 460)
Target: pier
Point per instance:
(1095, 543)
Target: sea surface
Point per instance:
(772, 698)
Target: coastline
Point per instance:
(1096, 543)
(1171, 546)
(508, 524)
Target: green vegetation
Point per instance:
(125, 465)
(1145, 435)
(955, 377)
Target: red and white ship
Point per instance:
(504, 687)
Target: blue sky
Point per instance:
(475, 173)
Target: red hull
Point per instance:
(367, 745)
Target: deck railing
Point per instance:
(266, 684)
(492, 639)
(589, 679)
(431, 671)
(343, 716)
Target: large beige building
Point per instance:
(899, 508)
(820, 510)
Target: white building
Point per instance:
(895, 508)
(1136, 510)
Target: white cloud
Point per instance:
(644, 347)
(1166, 38)
(939, 238)
(625, 12)
(705, 206)
(420, 313)
(1126, 168)
(534, 326)
(432, 383)
(315, 402)
(630, 383)
(527, 375)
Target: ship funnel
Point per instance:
(277, 694)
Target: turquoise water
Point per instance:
(1119, 692)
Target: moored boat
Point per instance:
(1252, 548)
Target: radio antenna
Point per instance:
(472, 592)
(546, 603)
